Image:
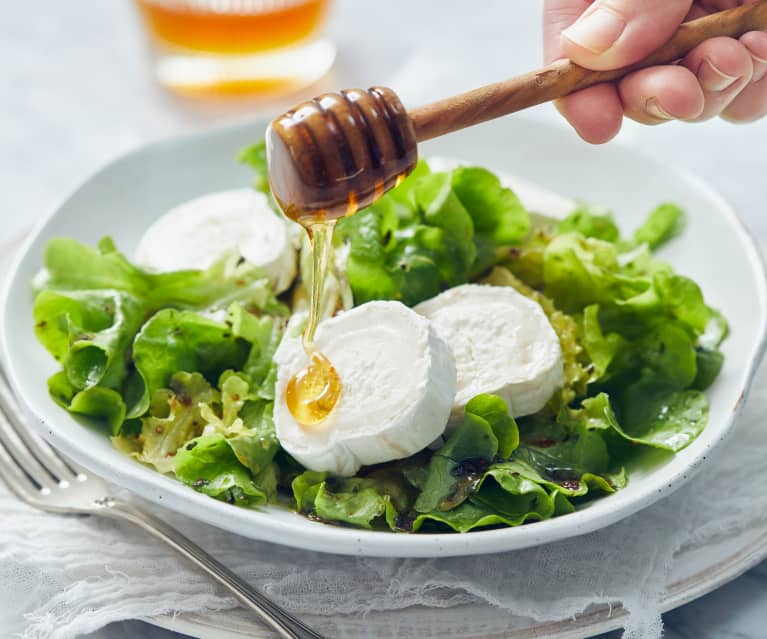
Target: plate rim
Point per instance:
(165, 491)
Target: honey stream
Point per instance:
(328, 158)
(312, 393)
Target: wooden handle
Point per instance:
(564, 77)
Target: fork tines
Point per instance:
(28, 464)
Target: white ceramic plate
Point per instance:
(126, 196)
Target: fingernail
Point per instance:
(653, 107)
(596, 31)
(760, 68)
(712, 79)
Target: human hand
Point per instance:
(722, 76)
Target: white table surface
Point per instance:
(76, 91)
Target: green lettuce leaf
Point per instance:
(456, 469)
(464, 518)
(248, 425)
(254, 156)
(305, 488)
(653, 414)
(709, 363)
(88, 332)
(175, 417)
(101, 404)
(209, 465)
(592, 222)
(495, 210)
(353, 501)
(229, 279)
(660, 416)
(174, 341)
(434, 231)
(580, 271)
(668, 351)
(663, 224)
(515, 497)
(264, 334)
(553, 475)
(245, 419)
(73, 266)
(91, 303)
(494, 411)
(601, 349)
(358, 501)
(582, 451)
(442, 209)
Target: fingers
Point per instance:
(722, 76)
(751, 104)
(660, 94)
(614, 33)
(723, 67)
(557, 16)
(595, 113)
(710, 80)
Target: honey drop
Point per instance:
(312, 393)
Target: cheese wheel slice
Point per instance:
(503, 344)
(195, 234)
(398, 380)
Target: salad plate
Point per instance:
(127, 196)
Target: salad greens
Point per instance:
(435, 231)
(179, 366)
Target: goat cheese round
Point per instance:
(503, 344)
(195, 234)
(398, 382)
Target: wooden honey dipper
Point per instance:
(340, 152)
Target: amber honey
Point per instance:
(245, 27)
(233, 47)
(312, 392)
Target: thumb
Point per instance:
(614, 33)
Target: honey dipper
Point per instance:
(340, 152)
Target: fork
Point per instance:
(37, 475)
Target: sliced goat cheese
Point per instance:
(503, 344)
(534, 198)
(195, 234)
(398, 382)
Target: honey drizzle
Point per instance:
(321, 241)
(312, 393)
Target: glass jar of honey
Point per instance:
(237, 47)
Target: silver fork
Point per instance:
(41, 478)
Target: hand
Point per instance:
(722, 76)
